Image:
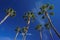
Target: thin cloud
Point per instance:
(36, 10)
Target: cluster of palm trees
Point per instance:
(44, 11)
(29, 16)
(45, 15)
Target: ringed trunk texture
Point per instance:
(52, 26)
(5, 18)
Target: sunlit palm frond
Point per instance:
(11, 11)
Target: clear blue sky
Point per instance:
(20, 6)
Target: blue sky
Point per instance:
(20, 6)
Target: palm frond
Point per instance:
(18, 29)
(51, 7)
(38, 27)
(47, 26)
(52, 13)
(24, 29)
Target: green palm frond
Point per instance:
(11, 11)
(33, 16)
(43, 7)
(28, 15)
(47, 5)
(52, 13)
(24, 29)
(47, 26)
(38, 27)
(51, 7)
(39, 13)
(13, 14)
(18, 29)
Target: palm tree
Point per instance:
(44, 11)
(48, 28)
(27, 17)
(24, 32)
(10, 12)
(39, 28)
(18, 30)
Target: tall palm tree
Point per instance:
(44, 11)
(10, 12)
(48, 28)
(24, 32)
(27, 17)
(39, 28)
(18, 30)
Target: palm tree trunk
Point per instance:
(40, 35)
(50, 34)
(24, 36)
(5, 18)
(52, 26)
(28, 22)
(16, 35)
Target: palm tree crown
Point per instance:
(38, 27)
(24, 29)
(47, 26)
(29, 14)
(45, 8)
(11, 12)
(18, 29)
